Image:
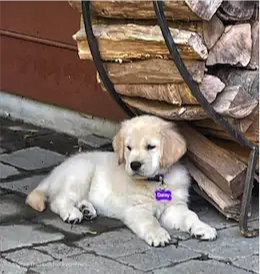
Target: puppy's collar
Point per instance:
(157, 178)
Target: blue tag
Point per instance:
(163, 194)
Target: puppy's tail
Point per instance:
(37, 198)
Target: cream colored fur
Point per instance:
(103, 183)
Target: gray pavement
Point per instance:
(32, 242)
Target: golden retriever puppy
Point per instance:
(142, 184)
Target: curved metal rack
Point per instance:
(159, 11)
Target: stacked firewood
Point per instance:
(218, 41)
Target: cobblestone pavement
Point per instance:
(32, 242)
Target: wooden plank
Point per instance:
(204, 9)
(175, 94)
(174, 10)
(234, 47)
(212, 193)
(215, 162)
(212, 31)
(236, 10)
(153, 71)
(235, 102)
(166, 110)
(131, 41)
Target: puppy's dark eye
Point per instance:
(150, 147)
(129, 148)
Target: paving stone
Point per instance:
(248, 263)
(10, 268)
(59, 250)
(2, 150)
(85, 263)
(13, 206)
(32, 158)
(25, 185)
(201, 267)
(6, 171)
(114, 244)
(61, 143)
(28, 257)
(25, 235)
(208, 214)
(158, 257)
(85, 227)
(94, 141)
(229, 245)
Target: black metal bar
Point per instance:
(246, 200)
(93, 45)
(194, 88)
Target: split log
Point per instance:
(240, 152)
(165, 110)
(249, 80)
(241, 125)
(174, 10)
(212, 31)
(235, 102)
(204, 9)
(215, 162)
(252, 132)
(175, 94)
(236, 10)
(153, 71)
(213, 194)
(132, 41)
(254, 62)
(234, 47)
(210, 87)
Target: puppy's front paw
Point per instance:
(87, 210)
(74, 216)
(157, 237)
(204, 232)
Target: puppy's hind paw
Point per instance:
(157, 237)
(204, 232)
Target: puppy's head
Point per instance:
(147, 144)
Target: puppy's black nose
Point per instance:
(135, 165)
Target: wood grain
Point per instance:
(218, 198)
(132, 41)
(215, 162)
(174, 10)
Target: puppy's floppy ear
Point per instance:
(118, 145)
(173, 146)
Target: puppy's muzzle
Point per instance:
(135, 165)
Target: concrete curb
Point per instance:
(53, 117)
